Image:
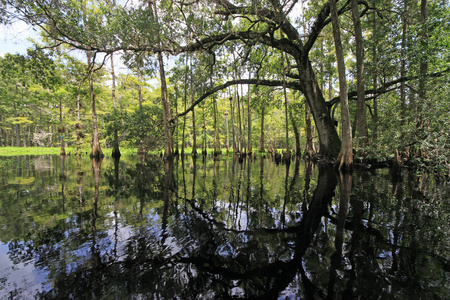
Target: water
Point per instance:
(217, 229)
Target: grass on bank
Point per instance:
(17, 151)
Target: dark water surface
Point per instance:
(217, 229)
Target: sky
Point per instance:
(15, 38)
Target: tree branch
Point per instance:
(289, 84)
(387, 87)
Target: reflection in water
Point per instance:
(201, 229)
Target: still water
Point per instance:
(218, 229)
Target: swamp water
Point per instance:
(218, 229)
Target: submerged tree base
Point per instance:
(97, 154)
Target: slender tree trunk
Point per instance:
(345, 158)
(204, 152)
(226, 126)
(233, 131)
(183, 138)
(177, 132)
(239, 122)
(423, 67)
(262, 147)
(17, 125)
(298, 149)
(63, 151)
(249, 122)
(215, 125)
(361, 105)
(287, 154)
(168, 141)
(310, 150)
(375, 76)
(96, 152)
(403, 60)
(115, 151)
(194, 134)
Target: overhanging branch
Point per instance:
(289, 84)
(385, 88)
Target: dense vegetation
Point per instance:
(244, 75)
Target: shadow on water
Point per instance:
(216, 228)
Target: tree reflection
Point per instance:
(250, 230)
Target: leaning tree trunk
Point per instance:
(329, 142)
(345, 158)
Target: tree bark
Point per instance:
(194, 134)
(115, 151)
(345, 158)
(63, 151)
(423, 67)
(183, 138)
(249, 122)
(298, 149)
(96, 152)
(361, 105)
(233, 131)
(262, 147)
(310, 150)
(168, 141)
(403, 60)
(375, 77)
(17, 125)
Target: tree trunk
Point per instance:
(239, 122)
(329, 142)
(361, 105)
(194, 134)
(233, 131)
(375, 76)
(345, 158)
(226, 126)
(310, 150)
(423, 67)
(215, 125)
(168, 142)
(298, 149)
(204, 145)
(262, 147)
(183, 138)
(286, 104)
(115, 151)
(96, 149)
(17, 125)
(61, 129)
(403, 61)
(249, 122)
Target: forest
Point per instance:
(339, 81)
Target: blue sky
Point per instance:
(14, 38)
